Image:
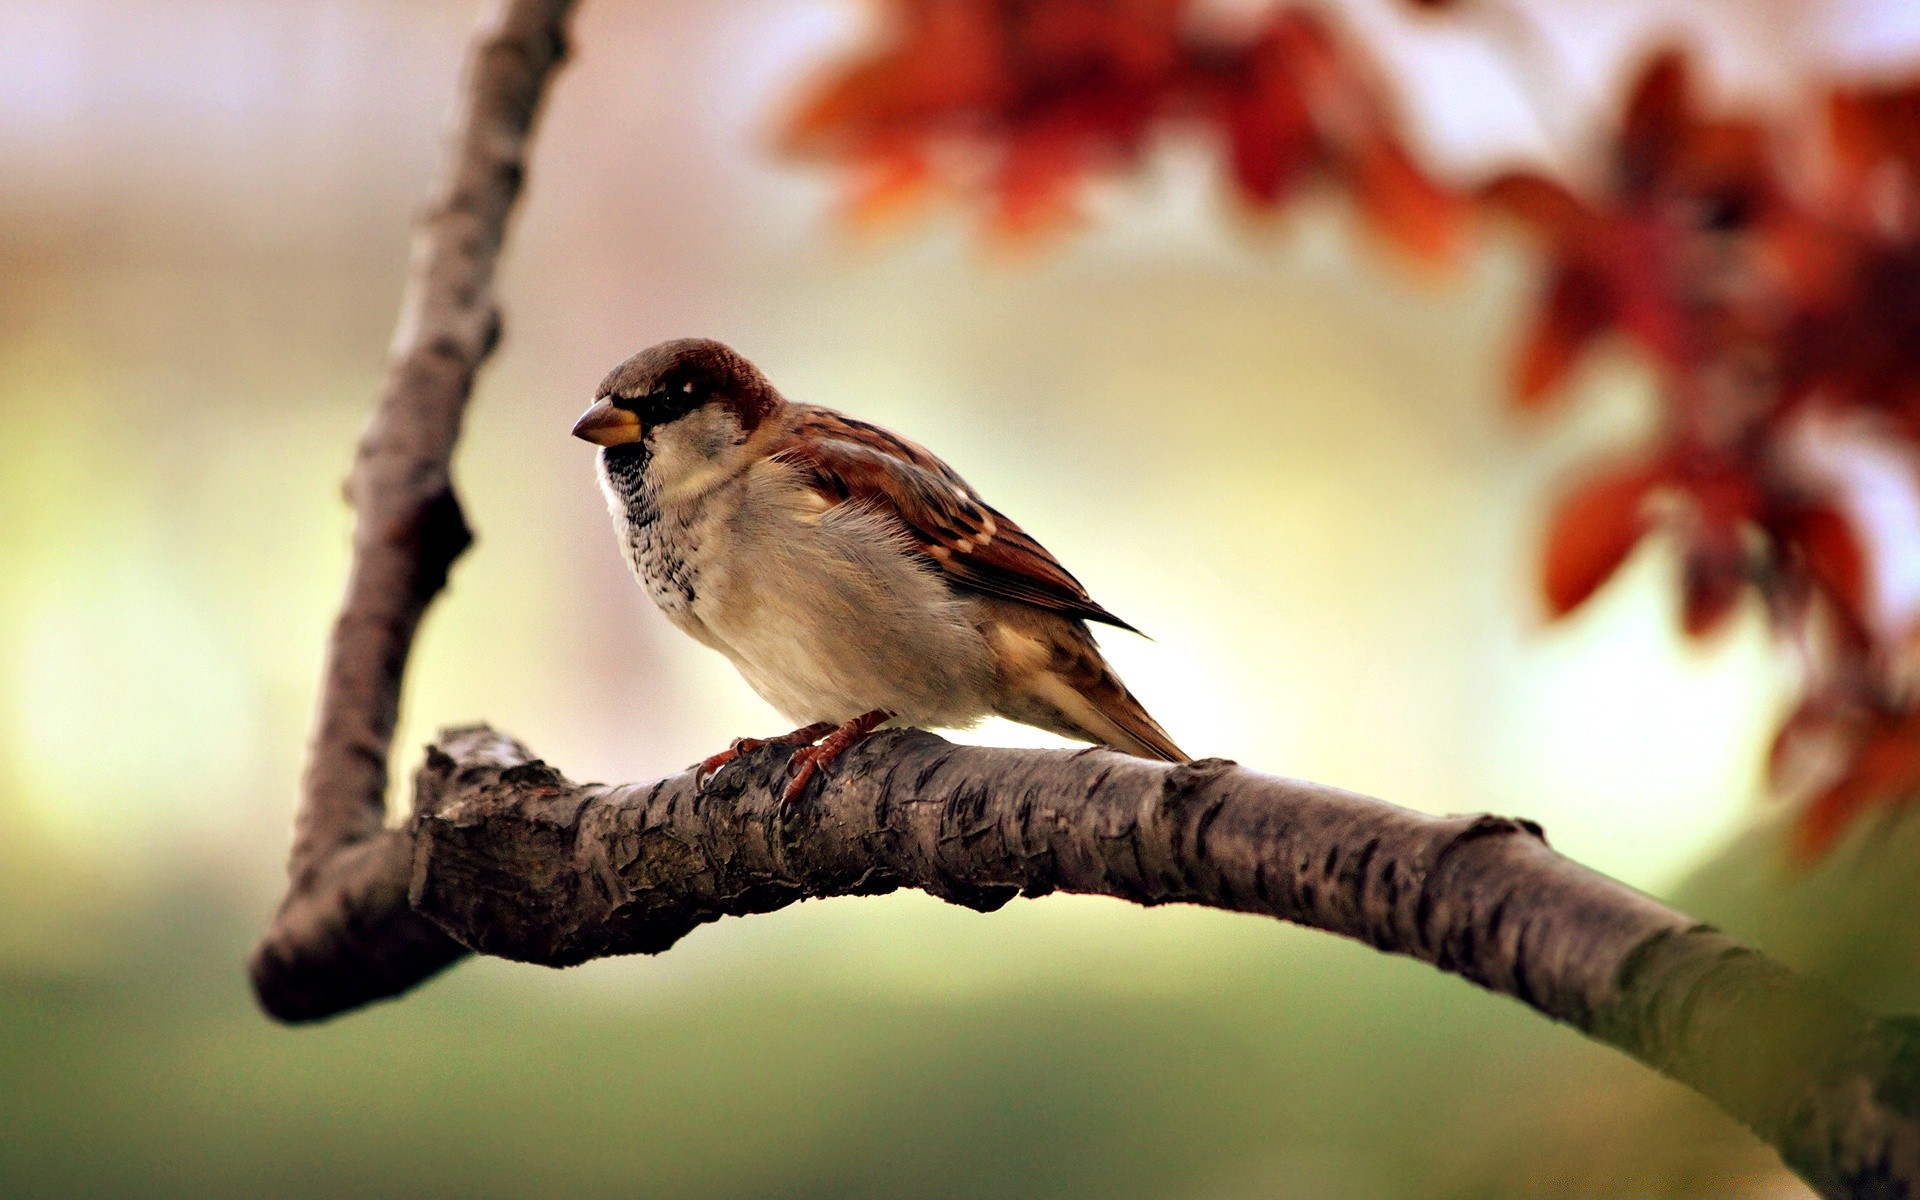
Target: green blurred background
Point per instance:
(1280, 451)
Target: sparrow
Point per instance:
(851, 577)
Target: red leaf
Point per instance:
(1818, 716)
(1826, 542)
(889, 186)
(1853, 133)
(1036, 183)
(1541, 203)
(1886, 768)
(1411, 210)
(1656, 124)
(1711, 582)
(1869, 129)
(1269, 130)
(1592, 531)
(1725, 503)
(1650, 301)
(1579, 306)
(950, 59)
(1725, 497)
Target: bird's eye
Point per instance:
(670, 403)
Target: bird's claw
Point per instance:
(801, 769)
(710, 766)
(808, 761)
(806, 735)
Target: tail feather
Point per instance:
(1069, 688)
(1130, 728)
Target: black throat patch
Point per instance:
(657, 549)
(626, 467)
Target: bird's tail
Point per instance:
(1130, 728)
(1079, 696)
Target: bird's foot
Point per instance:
(808, 760)
(806, 735)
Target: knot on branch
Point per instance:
(512, 859)
(1174, 821)
(437, 532)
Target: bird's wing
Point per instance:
(850, 461)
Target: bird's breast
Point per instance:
(666, 554)
(823, 609)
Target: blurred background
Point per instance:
(1275, 443)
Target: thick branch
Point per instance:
(513, 859)
(408, 532)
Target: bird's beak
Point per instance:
(605, 425)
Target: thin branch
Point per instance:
(407, 535)
(513, 859)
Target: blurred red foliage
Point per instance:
(1027, 100)
(1767, 310)
(1770, 303)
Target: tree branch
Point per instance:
(407, 535)
(513, 859)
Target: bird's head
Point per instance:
(691, 401)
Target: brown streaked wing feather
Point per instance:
(849, 460)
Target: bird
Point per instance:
(852, 578)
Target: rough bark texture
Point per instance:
(505, 856)
(513, 859)
(407, 535)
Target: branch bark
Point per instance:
(513, 859)
(338, 940)
(505, 856)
